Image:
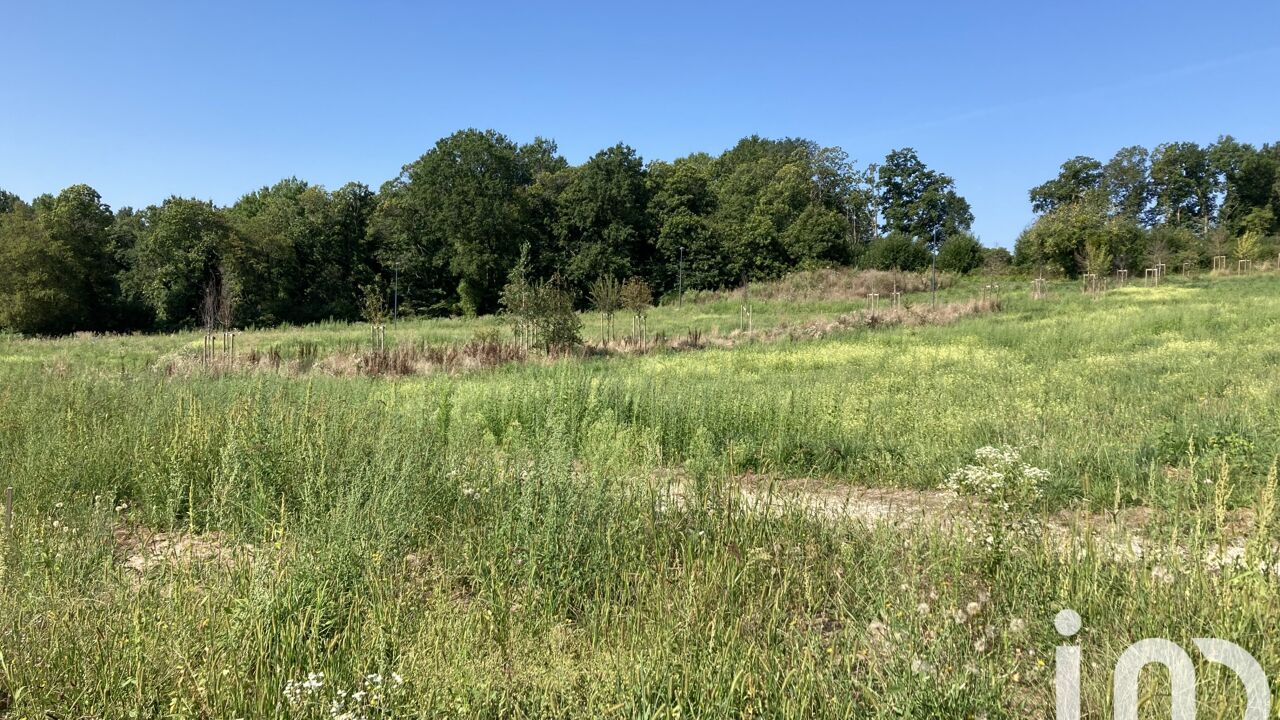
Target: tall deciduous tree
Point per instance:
(459, 209)
(57, 254)
(179, 253)
(1076, 177)
(33, 298)
(919, 202)
(683, 205)
(1183, 184)
(300, 253)
(8, 201)
(1126, 179)
(603, 223)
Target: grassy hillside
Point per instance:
(507, 541)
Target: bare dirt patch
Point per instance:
(892, 506)
(143, 550)
(1128, 535)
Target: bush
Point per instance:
(896, 252)
(960, 254)
(996, 260)
(541, 314)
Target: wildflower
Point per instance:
(972, 609)
(314, 682)
(1017, 625)
(959, 616)
(921, 667)
(923, 608)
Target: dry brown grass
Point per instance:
(834, 284)
(412, 358)
(486, 352)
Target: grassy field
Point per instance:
(505, 543)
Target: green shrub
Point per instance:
(960, 254)
(896, 252)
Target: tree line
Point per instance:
(1177, 203)
(444, 236)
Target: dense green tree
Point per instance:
(750, 208)
(1127, 243)
(996, 260)
(78, 221)
(9, 202)
(62, 271)
(443, 235)
(1126, 179)
(262, 256)
(683, 204)
(1247, 177)
(179, 254)
(960, 254)
(780, 203)
(551, 175)
(1260, 221)
(1077, 177)
(129, 313)
(343, 256)
(457, 214)
(33, 297)
(299, 253)
(412, 251)
(1169, 244)
(897, 251)
(1183, 184)
(919, 202)
(1226, 157)
(817, 236)
(602, 222)
(1059, 238)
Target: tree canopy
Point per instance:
(1178, 202)
(919, 202)
(444, 235)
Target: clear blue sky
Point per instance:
(214, 99)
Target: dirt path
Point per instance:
(1124, 536)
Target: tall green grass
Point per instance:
(502, 541)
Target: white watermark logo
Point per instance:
(1182, 674)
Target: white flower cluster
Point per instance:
(297, 691)
(1009, 489)
(373, 696)
(1000, 477)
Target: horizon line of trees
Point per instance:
(1178, 202)
(447, 232)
